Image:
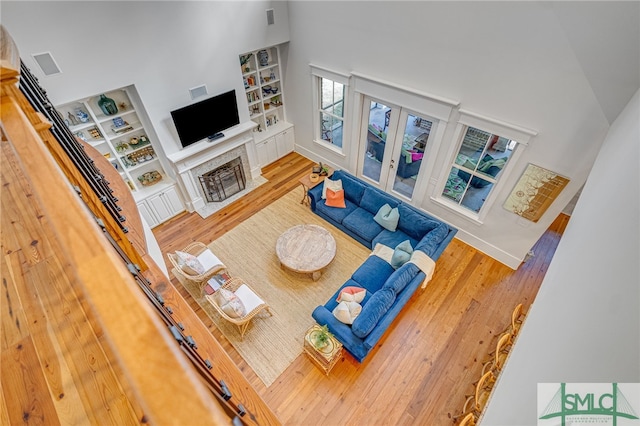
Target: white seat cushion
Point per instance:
(208, 260)
(249, 299)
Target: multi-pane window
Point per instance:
(330, 107)
(476, 168)
(331, 110)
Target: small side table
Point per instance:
(306, 183)
(325, 358)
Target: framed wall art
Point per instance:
(534, 192)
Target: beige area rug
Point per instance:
(271, 344)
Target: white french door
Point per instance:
(393, 142)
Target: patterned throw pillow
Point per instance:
(347, 312)
(352, 294)
(229, 303)
(189, 263)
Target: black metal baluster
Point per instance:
(186, 343)
(38, 99)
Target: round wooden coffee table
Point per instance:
(306, 249)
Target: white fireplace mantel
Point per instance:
(196, 154)
(199, 153)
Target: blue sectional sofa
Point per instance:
(388, 289)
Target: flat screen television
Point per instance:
(207, 118)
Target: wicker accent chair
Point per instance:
(251, 301)
(198, 250)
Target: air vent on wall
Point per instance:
(46, 63)
(196, 92)
(270, 18)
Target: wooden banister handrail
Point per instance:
(163, 382)
(9, 55)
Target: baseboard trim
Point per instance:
(501, 256)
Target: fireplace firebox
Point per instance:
(223, 181)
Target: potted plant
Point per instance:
(243, 61)
(320, 337)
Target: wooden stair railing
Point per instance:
(150, 366)
(74, 162)
(186, 342)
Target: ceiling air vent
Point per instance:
(46, 63)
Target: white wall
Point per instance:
(508, 60)
(584, 325)
(164, 48)
(513, 61)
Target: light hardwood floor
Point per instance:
(426, 362)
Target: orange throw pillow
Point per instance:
(336, 198)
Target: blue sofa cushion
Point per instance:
(431, 242)
(401, 277)
(361, 223)
(337, 215)
(373, 199)
(413, 223)
(372, 311)
(353, 189)
(372, 274)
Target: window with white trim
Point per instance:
(485, 150)
(330, 95)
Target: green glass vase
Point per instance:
(107, 105)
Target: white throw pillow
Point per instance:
(334, 185)
(347, 312)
